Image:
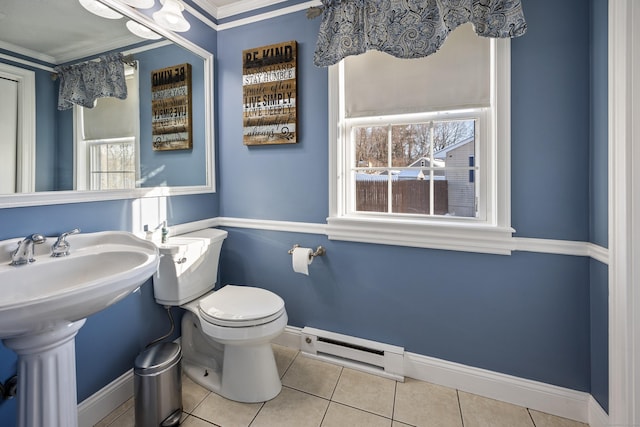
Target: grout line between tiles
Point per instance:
(368, 412)
(531, 417)
(335, 387)
(460, 407)
(393, 405)
(202, 419)
(325, 413)
(198, 404)
(256, 415)
(334, 401)
(290, 365)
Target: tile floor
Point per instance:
(316, 393)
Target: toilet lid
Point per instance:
(240, 306)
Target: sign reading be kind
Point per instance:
(171, 108)
(269, 94)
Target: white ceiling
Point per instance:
(58, 31)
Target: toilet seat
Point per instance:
(240, 306)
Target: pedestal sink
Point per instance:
(43, 305)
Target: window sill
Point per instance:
(465, 237)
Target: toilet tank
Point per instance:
(188, 266)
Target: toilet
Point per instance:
(226, 333)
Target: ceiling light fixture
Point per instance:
(170, 16)
(140, 4)
(97, 8)
(142, 31)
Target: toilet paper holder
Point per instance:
(320, 251)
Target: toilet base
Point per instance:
(245, 373)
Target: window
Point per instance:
(107, 138)
(417, 168)
(112, 164)
(420, 148)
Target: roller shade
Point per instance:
(112, 117)
(457, 76)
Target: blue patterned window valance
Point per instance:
(408, 28)
(82, 84)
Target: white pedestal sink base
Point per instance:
(41, 302)
(47, 376)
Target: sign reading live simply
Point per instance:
(171, 108)
(269, 94)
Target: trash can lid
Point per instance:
(157, 358)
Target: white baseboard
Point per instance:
(539, 396)
(597, 416)
(560, 401)
(100, 404)
(289, 338)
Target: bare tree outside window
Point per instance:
(417, 168)
(112, 165)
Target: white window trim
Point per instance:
(81, 162)
(493, 236)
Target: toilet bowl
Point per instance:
(226, 333)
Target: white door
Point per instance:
(8, 135)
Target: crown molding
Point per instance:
(27, 52)
(243, 6)
(235, 8)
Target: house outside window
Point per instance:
(420, 148)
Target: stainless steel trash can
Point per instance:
(158, 386)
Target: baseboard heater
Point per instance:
(357, 353)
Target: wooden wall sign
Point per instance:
(269, 94)
(171, 108)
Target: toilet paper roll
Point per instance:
(301, 259)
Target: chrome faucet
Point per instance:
(61, 246)
(24, 254)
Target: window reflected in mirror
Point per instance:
(107, 140)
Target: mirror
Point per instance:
(48, 157)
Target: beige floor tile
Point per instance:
(340, 416)
(192, 421)
(284, 357)
(426, 405)
(312, 376)
(192, 394)
(127, 419)
(546, 420)
(292, 408)
(479, 411)
(106, 421)
(225, 412)
(358, 399)
(364, 391)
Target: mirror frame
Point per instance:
(75, 196)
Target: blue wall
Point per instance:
(285, 182)
(533, 315)
(550, 122)
(175, 167)
(598, 209)
(528, 314)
